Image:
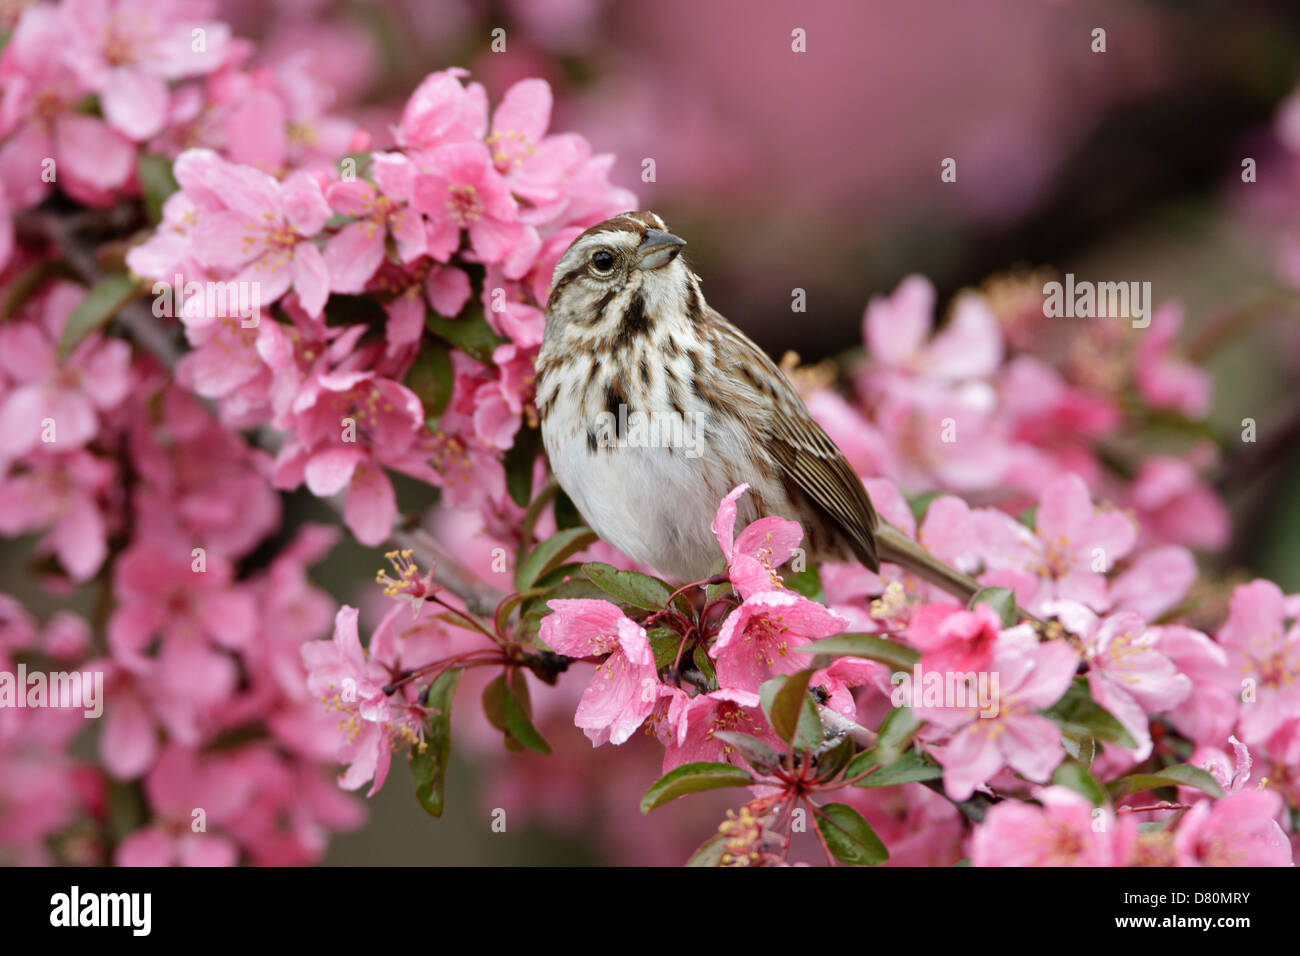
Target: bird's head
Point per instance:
(622, 269)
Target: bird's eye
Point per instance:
(602, 260)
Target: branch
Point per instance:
(837, 725)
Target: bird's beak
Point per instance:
(658, 248)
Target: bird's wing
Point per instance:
(807, 455)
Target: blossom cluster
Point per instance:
(145, 486)
(1103, 689)
(350, 312)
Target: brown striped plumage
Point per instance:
(640, 334)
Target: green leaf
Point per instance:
(1078, 714)
(471, 334)
(359, 167)
(710, 852)
(1001, 600)
(693, 778)
(787, 704)
(494, 695)
(561, 573)
(830, 763)
(126, 809)
(760, 756)
(518, 722)
(510, 602)
(896, 732)
(1075, 775)
(628, 587)
(28, 282)
(869, 646)
(664, 642)
(156, 182)
(807, 582)
(550, 554)
(93, 312)
(704, 664)
(566, 512)
(1080, 746)
(920, 504)
(791, 710)
(519, 464)
(507, 709)
(910, 767)
(533, 609)
(1177, 775)
(431, 379)
(849, 836)
(429, 769)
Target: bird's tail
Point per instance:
(897, 548)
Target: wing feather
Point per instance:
(805, 453)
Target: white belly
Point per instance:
(655, 504)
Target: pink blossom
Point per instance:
(1155, 582)
(1164, 380)
(37, 790)
(1232, 773)
(895, 331)
(459, 188)
(1031, 676)
(624, 689)
(126, 50)
(764, 545)
(1173, 505)
(1278, 759)
(216, 490)
(1065, 831)
(331, 456)
(272, 120)
(351, 681)
(507, 307)
(6, 230)
(424, 285)
(291, 810)
(129, 743)
(180, 782)
(58, 403)
(757, 638)
(196, 608)
(1209, 712)
(354, 253)
(1128, 674)
(537, 166)
(257, 230)
(442, 110)
(704, 715)
(1263, 646)
(1050, 422)
(66, 637)
(920, 827)
(951, 639)
(922, 423)
(1239, 830)
(41, 120)
(63, 496)
(1065, 556)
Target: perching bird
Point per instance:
(630, 341)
